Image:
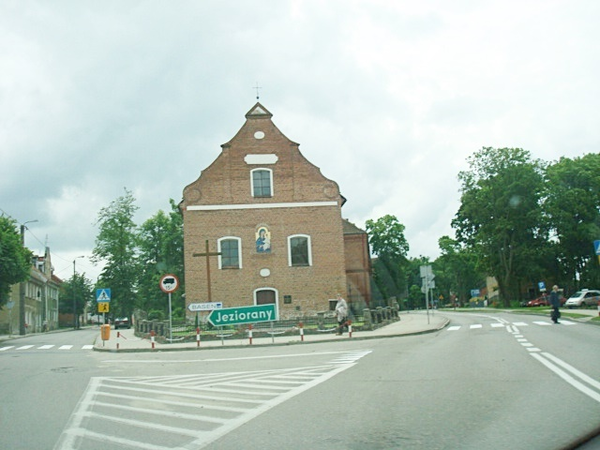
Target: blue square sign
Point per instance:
(103, 295)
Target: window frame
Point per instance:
(309, 250)
(220, 250)
(271, 190)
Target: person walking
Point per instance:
(555, 303)
(341, 312)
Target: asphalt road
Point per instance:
(492, 381)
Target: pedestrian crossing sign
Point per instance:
(103, 307)
(102, 295)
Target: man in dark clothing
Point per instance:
(555, 303)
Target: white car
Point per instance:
(583, 298)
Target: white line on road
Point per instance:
(565, 376)
(477, 325)
(241, 358)
(46, 347)
(65, 347)
(454, 328)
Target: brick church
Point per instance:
(269, 225)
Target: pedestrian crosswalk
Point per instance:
(186, 411)
(7, 348)
(498, 325)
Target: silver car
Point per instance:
(583, 298)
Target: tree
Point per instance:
(76, 292)
(456, 270)
(15, 259)
(387, 241)
(573, 209)
(116, 245)
(160, 252)
(500, 217)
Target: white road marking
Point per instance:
(454, 328)
(24, 347)
(185, 411)
(45, 347)
(87, 347)
(3, 349)
(539, 322)
(498, 325)
(520, 324)
(544, 359)
(477, 325)
(65, 347)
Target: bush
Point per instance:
(156, 314)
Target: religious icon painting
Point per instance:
(263, 240)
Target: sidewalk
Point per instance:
(410, 324)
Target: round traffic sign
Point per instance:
(169, 283)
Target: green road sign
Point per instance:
(243, 314)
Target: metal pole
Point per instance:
(22, 286)
(170, 321)
(74, 296)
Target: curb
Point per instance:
(270, 344)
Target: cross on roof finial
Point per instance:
(257, 87)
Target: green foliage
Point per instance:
(573, 210)
(15, 260)
(79, 292)
(160, 244)
(456, 270)
(156, 314)
(500, 218)
(116, 246)
(386, 238)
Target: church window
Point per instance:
(262, 183)
(230, 249)
(299, 252)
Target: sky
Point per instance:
(387, 97)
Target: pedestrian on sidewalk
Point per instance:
(555, 303)
(341, 312)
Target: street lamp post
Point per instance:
(22, 286)
(74, 296)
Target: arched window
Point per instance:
(299, 250)
(262, 182)
(230, 248)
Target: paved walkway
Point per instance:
(410, 323)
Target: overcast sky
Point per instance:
(387, 97)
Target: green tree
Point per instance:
(456, 270)
(500, 217)
(387, 241)
(76, 292)
(15, 259)
(573, 208)
(161, 252)
(116, 246)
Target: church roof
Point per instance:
(258, 111)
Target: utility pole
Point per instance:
(74, 297)
(22, 329)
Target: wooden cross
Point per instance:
(208, 255)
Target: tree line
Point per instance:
(520, 220)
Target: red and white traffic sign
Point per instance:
(169, 283)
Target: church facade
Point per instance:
(263, 225)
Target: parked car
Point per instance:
(122, 322)
(583, 298)
(544, 300)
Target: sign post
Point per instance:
(103, 297)
(168, 284)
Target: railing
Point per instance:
(322, 322)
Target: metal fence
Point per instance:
(322, 322)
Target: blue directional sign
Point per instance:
(597, 247)
(103, 295)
